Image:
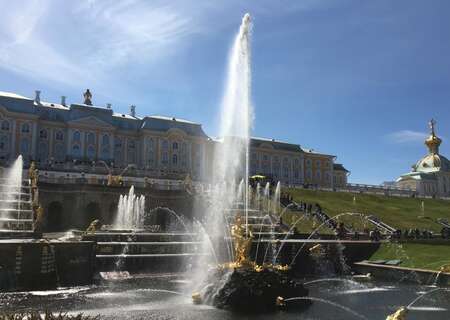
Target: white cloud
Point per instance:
(406, 136)
(71, 43)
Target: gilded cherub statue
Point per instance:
(242, 241)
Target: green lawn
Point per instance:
(414, 255)
(398, 212)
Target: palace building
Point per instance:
(430, 176)
(79, 137)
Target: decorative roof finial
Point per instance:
(87, 97)
(432, 123)
(433, 142)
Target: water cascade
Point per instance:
(15, 206)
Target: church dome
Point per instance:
(432, 162)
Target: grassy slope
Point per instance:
(415, 255)
(398, 212)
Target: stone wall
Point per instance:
(74, 206)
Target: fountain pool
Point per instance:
(167, 297)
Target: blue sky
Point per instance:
(357, 79)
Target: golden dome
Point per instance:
(433, 142)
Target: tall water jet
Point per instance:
(130, 211)
(232, 155)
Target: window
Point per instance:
(43, 134)
(175, 146)
(24, 146)
(91, 152)
(105, 152)
(118, 143)
(317, 163)
(105, 140)
(308, 162)
(165, 158)
(25, 128)
(76, 136)
(164, 145)
(76, 151)
(59, 136)
(309, 174)
(5, 125)
(3, 143)
(90, 138)
(175, 159)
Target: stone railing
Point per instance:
(60, 177)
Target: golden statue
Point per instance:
(242, 242)
(39, 221)
(33, 174)
(93, 226)
(400, 314)
(196, 298)
(114, 180)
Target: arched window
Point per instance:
(117, 143)
(4, 144)
(165, 158)
(76, 150)
(105, 152)
(91, 152)
(24, 146)
(5, 125)
(76, 136)
(105, 140)
(165, 145)
(25, 128)
(43, 134)
(317, 163)
(90, 138)
(175, 146)
(59, 135)
(174, 159)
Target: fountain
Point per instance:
(130, 211)
(239, 283)
(16, 214)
